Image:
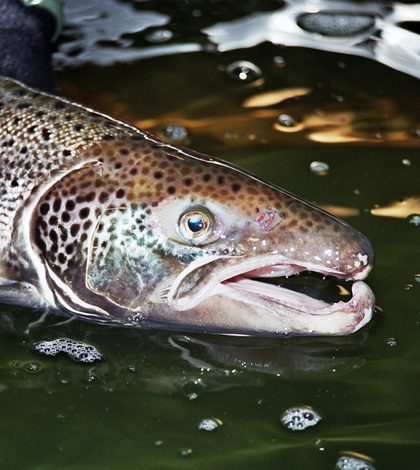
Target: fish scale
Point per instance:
(105, 222)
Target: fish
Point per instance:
(104, 222)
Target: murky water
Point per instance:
(142, 406)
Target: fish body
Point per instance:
(103, 221)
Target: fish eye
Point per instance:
(195, 224)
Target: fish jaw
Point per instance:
(248, 306)
(238, 311)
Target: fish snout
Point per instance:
(357, 257)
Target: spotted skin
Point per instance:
(90, 211)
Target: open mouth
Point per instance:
(310, 292)
(287, 297)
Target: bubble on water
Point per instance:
(417, 277)
(414, 219)
(186, 452)
(210, 424)
(406, 162)
(319, 168)
(299, 418)
(159, 35)
(286, 121)
(354, 461)
(391, 342)
(33, 367)
(243, 71)
(174, 132)
(78, 350)
(192, 388)
(279, 61)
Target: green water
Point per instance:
(140, 407)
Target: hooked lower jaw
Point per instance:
(291, 312)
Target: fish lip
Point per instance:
(234, 276)
(247, 281)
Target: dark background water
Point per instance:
(140, 407)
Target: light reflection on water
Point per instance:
(142, 405)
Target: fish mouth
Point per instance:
(266, 288)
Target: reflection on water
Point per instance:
(399, 209)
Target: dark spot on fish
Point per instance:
(118, 165)
(16, 121)
(103, 197)
(65, 217)
(54, 248)
(104, 244)
(292, 223)
(124, 152)
(23, 150)
(133, 171)
(108, 137)
(78, 127)
(31, 129)
(45, 207)
(23, 105)
(74, 229)
(84, 213)
(206, 178)
(120, 193)
(40, 243)
(57, 204)
(220, 179)
(188, 182)
(157, 175)
(70, 205)
(14, 183)
(53, 236)
(45, 134)
(90, 196)
(309, 223)
(59, 105)
(87, 225)
(53, 220)
(66, 153)
(69, 249)
(171, 190)
(39, 114)
(73, 190)
(63, 233)
(83, 237)
(235, 187)
(62, 258)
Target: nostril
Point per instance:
(268, 219)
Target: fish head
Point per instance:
(155, 235)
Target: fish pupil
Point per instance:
(195, 223)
